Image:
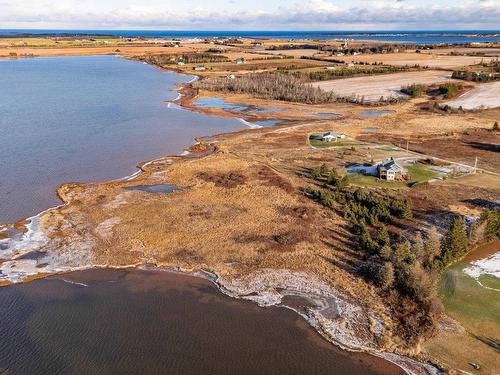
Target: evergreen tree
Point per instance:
(383, 238)
(403, 255)
(491, 218)
(455, 243)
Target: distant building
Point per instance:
(329, 137)
(231, 76)
(240, 61)
(390, 170)
(200, 68)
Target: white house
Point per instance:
(240, 61)
(390, 170)
(200, 68)
(329, 137)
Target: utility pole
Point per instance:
(475, 165)
(407, 144)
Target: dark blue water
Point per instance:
(418, 37)
(89, 118)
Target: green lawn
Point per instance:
(418, 172)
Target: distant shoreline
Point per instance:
(408, 36)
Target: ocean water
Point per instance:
(418, 37)
(81, 119)
(154, 322)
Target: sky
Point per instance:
(251, 14)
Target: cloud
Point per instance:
(314, 14)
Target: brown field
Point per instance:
(294, 52)
(383, 85)
(447, 51)
(412, 58)
(461, 147)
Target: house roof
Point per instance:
(391, 164)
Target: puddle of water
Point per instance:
(326, 115)
(266, 110)
(370, 130)
(217, 102)
(266, 123)
(161, 188)
(376, 113)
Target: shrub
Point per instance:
(432, 246)
(384, 276)
(449, 89)
(416, 282)
(414, 90)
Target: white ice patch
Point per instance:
(249, 124)
(32, 239)
(488, 266)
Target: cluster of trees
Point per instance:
(475, 76)
(269, 85)
(343, 71)
(414, 90)
(188, 58)
(398, 265)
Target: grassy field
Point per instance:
(477, 309)
(343, 143)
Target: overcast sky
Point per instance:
(252, 14)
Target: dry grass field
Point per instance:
(386, 85)
(421, 59)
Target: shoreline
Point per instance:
(222, 286)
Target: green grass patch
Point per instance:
(418, 173)
(372, 181)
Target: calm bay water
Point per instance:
(79, 119)
(418, 37)
(154, 322)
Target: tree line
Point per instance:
(405, 268)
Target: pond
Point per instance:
(376, 113)
(160, 188)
